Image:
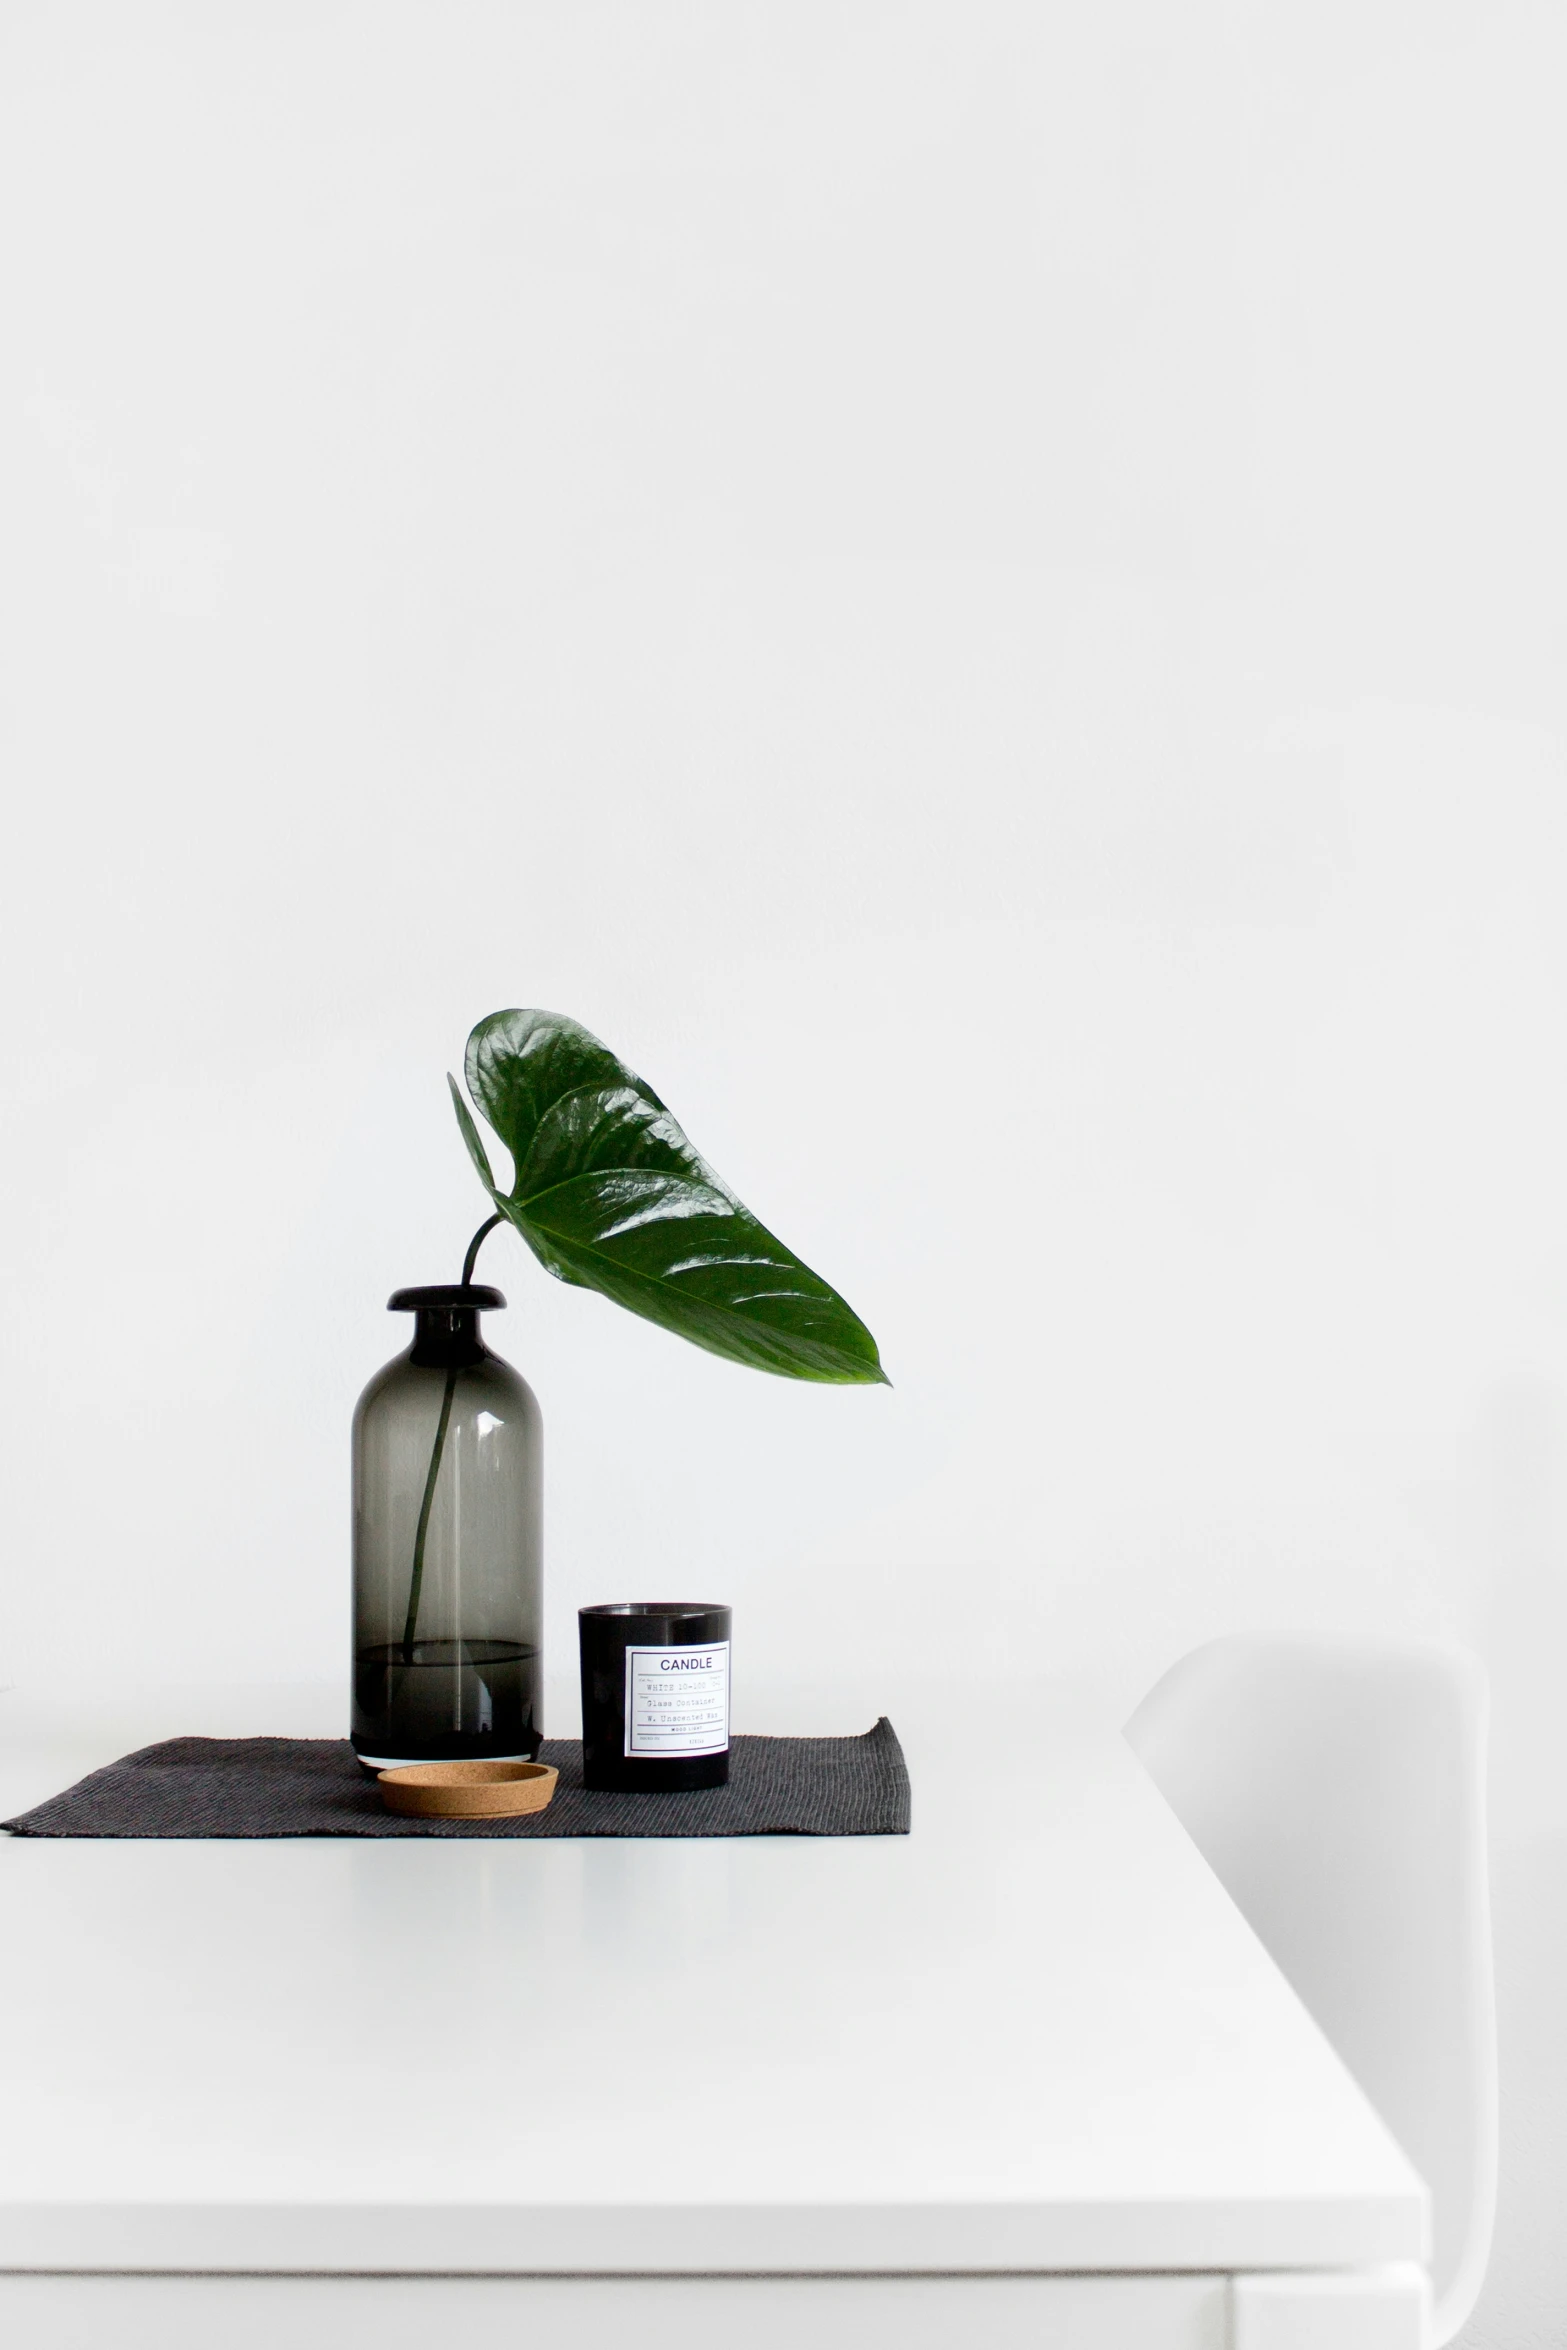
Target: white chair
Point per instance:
(1336, 1787)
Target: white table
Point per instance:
(1022, 2077)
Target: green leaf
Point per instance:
(471, 1136)
(610, 1195)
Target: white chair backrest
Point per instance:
(1336, 1787)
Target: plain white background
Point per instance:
(979, 589)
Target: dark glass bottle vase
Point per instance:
(655, 1694)
(448, 1456)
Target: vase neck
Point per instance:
(447, 1338)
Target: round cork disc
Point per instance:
(467, 1790)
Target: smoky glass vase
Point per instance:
(447, 1446)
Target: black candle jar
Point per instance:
(655, 1695)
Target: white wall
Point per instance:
(979, 589)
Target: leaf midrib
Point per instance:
(656, 1282)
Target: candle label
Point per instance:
(677, 1700)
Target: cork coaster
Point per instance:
(467, 1790)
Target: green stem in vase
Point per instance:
(416, 1580)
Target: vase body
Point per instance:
(448, 1488)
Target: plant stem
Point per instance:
(433, 1472)
(416, 1580)
(476, 1244)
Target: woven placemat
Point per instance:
(315, 1787)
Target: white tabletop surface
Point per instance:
(1034, 2034)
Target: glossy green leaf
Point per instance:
(610, 1195)
(474, 1140)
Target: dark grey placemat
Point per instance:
(314, 1787)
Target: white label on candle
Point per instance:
(677, 1700)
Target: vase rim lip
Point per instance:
(448, 1297)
